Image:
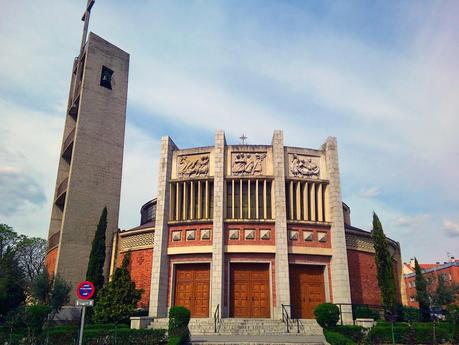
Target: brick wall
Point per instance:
(50, 260)
(140, 270)
(363, 278)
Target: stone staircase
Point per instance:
(250, 331)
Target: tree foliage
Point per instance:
(445, 292)
(12, 292)
(30, 252)
(385, 272)
(50, 291)
(95, 272)
(118, 299)
(422, 295)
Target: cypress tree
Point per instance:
(422, 295)
(385, 273)
(95, 272)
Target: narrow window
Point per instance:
(106, 77)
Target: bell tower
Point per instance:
(91, 155)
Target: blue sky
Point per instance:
(381, 76)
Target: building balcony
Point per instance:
(74, 107)
(61, 193)
(67, 146)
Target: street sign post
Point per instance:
(85, 291)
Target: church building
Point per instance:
(250, 231)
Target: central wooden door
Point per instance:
(192, 288)
(250, 297)
(307, 290)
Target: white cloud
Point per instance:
(411, 222)
(370, 192)
(451, 228)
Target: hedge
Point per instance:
(335, 338)
(382, 333)
(93, 335)
(355, 333)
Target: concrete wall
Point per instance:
(94, 173)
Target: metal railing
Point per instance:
(217, 319)
(285, 316)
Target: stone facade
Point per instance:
(90, 165)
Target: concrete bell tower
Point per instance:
(91, 156)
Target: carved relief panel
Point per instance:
(303, 166)
(248, 163)
(189, 166)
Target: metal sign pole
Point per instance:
(80, 341)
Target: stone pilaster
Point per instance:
(280, 213)
(339, 266)
(160, 267)
(218, 224)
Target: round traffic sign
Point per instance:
(85, 290)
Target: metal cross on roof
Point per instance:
(243, 139)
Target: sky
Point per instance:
(381, 76)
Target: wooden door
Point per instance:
(250, 296)
(307, 290)
(192, 288)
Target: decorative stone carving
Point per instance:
(176, 236)
(248, 163)
(193, 166)
(293, 235)
(303, 166)
(322, 236)
(234, 234)
(249, 234)
(307, 236)
(190, 235)
(265, 234)
(205, 234)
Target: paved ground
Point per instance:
(257, 339)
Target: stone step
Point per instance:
(257, 340)
(246, 327)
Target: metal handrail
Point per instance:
(285, 316)
(217, 319)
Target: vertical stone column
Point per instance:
(282, 268)
(217, 280)
(339, 266)
(160, 266)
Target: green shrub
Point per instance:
(356, 333)
(452, 313)
(335, 338)
(364, 312)
(174, 340)
(327, 315)
(179, 317)
(423, 333)
(65, 335)
(410, 314)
